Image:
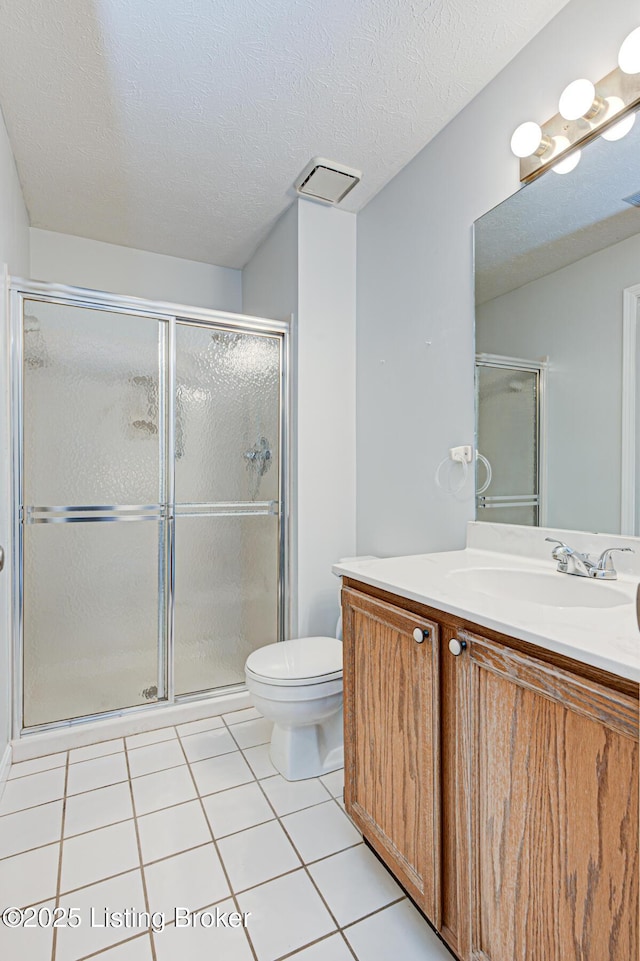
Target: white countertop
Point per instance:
(607, 638)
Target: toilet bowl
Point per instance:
(297, 684)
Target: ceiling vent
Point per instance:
(633, 199)
(327, 181)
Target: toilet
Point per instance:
(297, 684)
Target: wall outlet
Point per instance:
(464, 453)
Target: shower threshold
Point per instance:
(81, 733)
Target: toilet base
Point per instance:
(302, 752)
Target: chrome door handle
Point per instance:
(420, 635)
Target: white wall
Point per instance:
(415, 284)
(270, 278)
(14, 252)
(64, 259)
(326, 470)
(575, 316)
(306, 267)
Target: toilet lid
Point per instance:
(302, 658)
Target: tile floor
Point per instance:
(194, 817)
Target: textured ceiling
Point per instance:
(178, 126)
(558, 220)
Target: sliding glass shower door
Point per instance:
(150, 522)
(227, 455)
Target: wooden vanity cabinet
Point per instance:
(391, 729)
(548, 768)
(500, 787)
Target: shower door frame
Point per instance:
(540, 368)
(172, 315)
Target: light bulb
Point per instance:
(526, 139)
(629, 55)
(568, 164)
(620, 129)
(577, 99)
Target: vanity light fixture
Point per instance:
(585, 111)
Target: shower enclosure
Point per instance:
(510, 433)
(150, 455)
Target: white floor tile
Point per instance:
(257, 854)
(96, 809)
(37, 765)
(116, 894)
(102, 749)
(220, 773)
(334, 782)
(195, 727)
(397, 932)
(197, 747)
(163, 789)
(173, 830)
(288, 796)
(189, 880)
(26, 792)
(259, 760)
(200, 943)
(27, 944)
(151, 737)
(254, 732)
(354, 884)
(236, 717)
(286, 914)
(137, 950)
(320, 830)
(234, 810)
(30, 829)
(91, 857)
(29, 878)
(332, 948)
(97, 772)
(155, 757)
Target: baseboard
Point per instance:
(5, 764)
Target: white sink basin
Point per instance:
(550, 589)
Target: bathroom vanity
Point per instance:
(491, 749)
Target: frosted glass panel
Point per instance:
(226, 597)
(91, 428)
(90, 618)
(508, 430)
(227, 416)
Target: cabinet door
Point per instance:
(391, 739)
(549, 763)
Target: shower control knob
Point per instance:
(420, 635)
(456, 646)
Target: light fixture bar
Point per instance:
(572, 134)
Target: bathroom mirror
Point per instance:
(557, 347)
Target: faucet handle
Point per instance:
(562, 548)
(604, 564)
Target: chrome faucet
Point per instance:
(571, 561)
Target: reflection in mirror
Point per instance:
(557, 296)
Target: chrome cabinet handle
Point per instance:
(1, 558)
(456, 646)
(420, 635)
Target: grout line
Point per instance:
(59, 878)
(217, 850)
(304, 865)
(140, 858)
(110, 947)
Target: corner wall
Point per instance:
(306, 267)
(14, 253)
(415, 327)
